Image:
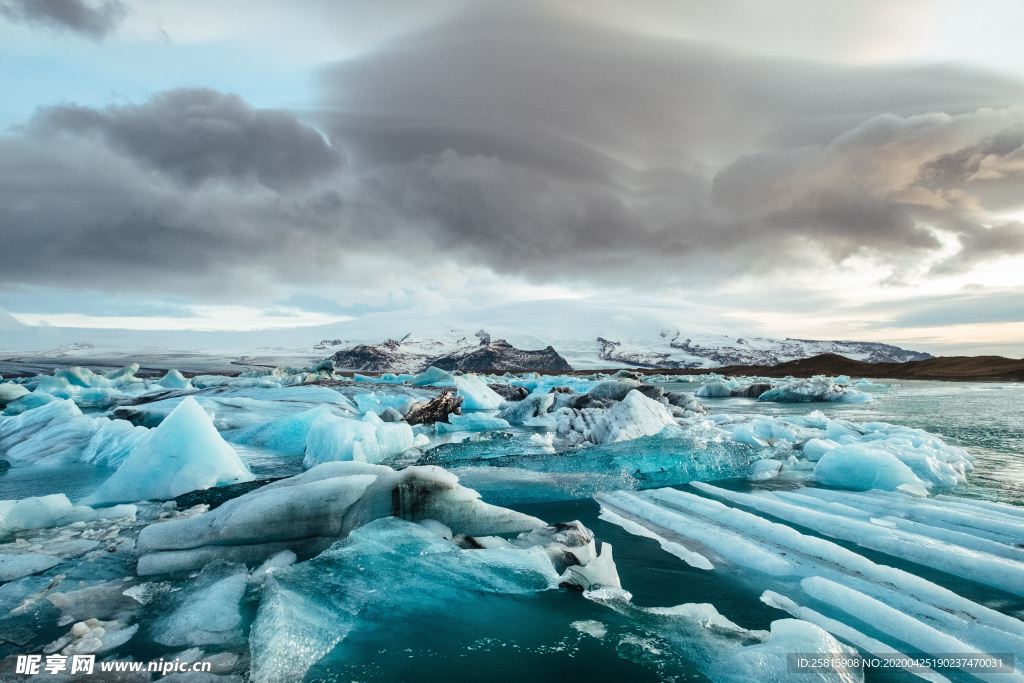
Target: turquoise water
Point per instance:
(533, 639)
(986, 419)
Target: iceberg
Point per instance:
(815, 389)
(285, 435)
(476, 395)
(57, 433)
(183, 454)
(210, 612)
(367, 440)
(858, 466)
(308, 512)
(51, 511)
(633, 417)
(174, 380)
(9, 392)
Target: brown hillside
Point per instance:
(951, 368)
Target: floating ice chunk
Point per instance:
(183, 454)
(672, 547)
(473, 422)
(174, 380)
(57, 433)
(598, 573)
(591, 627)
(429, 492)
(715, 390)
(438, 528)
(28, 402)
(210, 614)
(633, 417)
(378, 403)
(309, 608)
(765, 469)
(9, 391)
(368, 440)
(848, 633)
(92, 636)
(16, 566)
(842, 380)
(884, 618)
(923, 548)
(50, 511)
(432, 376)
(813, 390)
(163, 562)
(614, 389)
(476, 394)
(767, 661)
(125, 373)
(304, 509)
(534, 405)
(862, 467)
(815, 448)
(863, 382)
(305, 513)
(285, 435)
(781, 551)
(112, 442)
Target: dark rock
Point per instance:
(614, 389)
(218, 495)
(436, 409)
(588, 401)
(510, 392)
(651, 392)
(500, 356)
(563, 390)
(753, 391)
(628, 374)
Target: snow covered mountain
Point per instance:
(585, 333)
(454, 349)
(674, 350)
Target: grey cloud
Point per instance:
(530, 141)
(91, 19)
(524, 141)
(196, 134)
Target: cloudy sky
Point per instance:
(844, 170)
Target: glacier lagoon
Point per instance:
(714, 533)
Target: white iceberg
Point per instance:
(183, 454)
(476, 394)
(367, 440)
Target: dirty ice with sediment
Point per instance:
(295, 524)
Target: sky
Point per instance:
(843, 170)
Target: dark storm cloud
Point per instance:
(186, 191)
(530, 143)
(533, 142)
(198, 134)
(91, 19)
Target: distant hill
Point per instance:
(950, 368)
